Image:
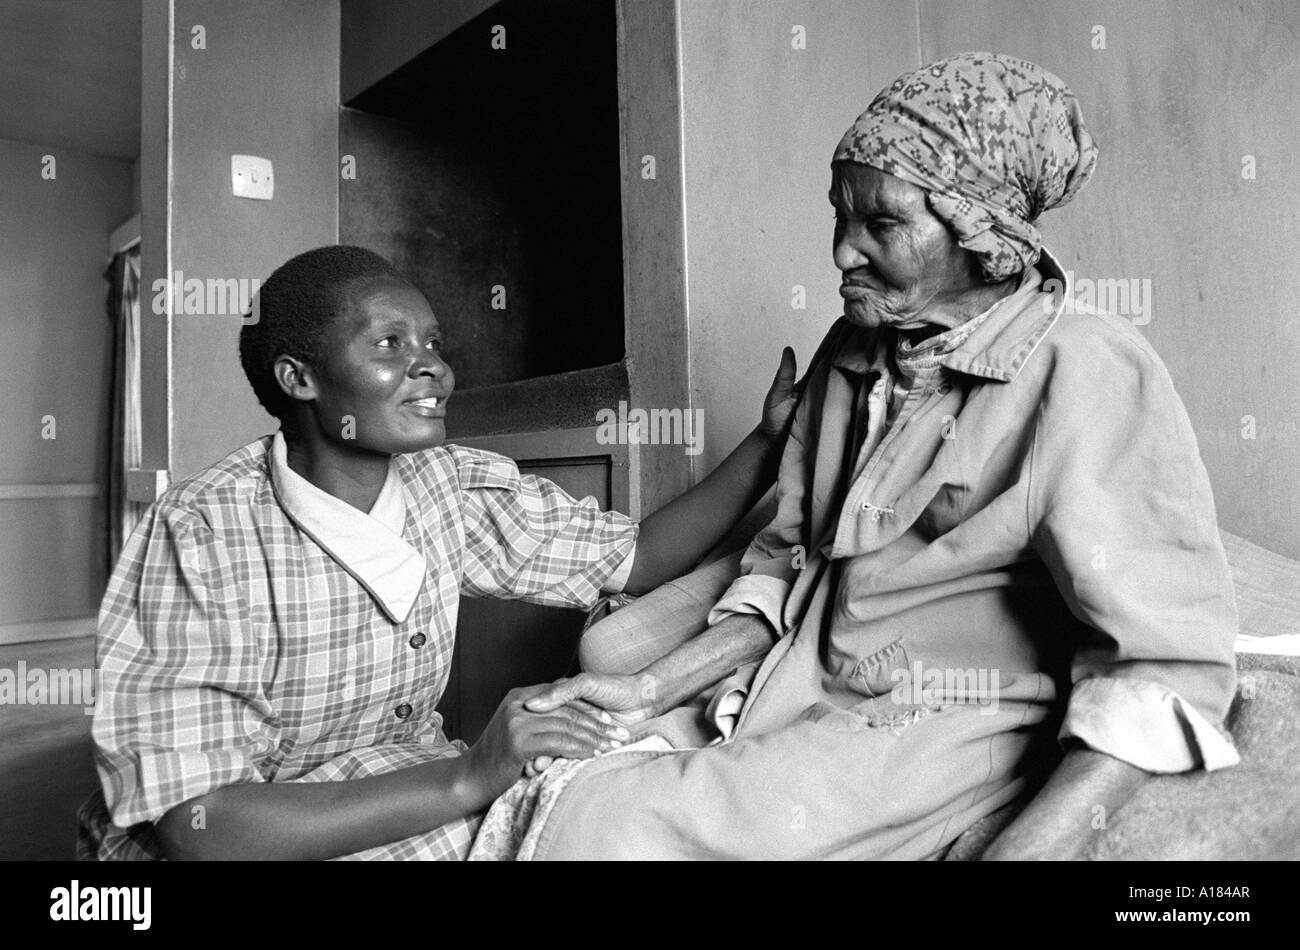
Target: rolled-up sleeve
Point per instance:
(527, 539)
(767, 570)
(1121, 512)
(181, 709)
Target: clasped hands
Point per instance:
(617, 701)
(575, 718)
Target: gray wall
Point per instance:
(1176, 99)
(266, 84)
(54, 360)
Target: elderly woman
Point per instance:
(994, 567)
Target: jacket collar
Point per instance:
(1000, 345)
(370, 547)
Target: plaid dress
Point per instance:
(239, 645)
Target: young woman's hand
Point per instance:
(781, 400)
(516, 736)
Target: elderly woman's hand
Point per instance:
(627, 699)
(782, 398)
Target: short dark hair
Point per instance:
(294, 309)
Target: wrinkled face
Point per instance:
(901, 265)
(384, 385)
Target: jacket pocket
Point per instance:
(881, 672)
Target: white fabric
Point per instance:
(618, 580)
(1283, 644)
(1144, 723)
(370, 545)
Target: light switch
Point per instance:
(250, 177)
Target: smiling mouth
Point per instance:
(432, 407)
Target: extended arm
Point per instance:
(316, 820)
(670, 681)
(313, 821)
(674, 538)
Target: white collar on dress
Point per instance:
(370, 547)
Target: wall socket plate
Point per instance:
(251, 177)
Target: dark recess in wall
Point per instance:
(478, 166)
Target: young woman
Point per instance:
(278, 632)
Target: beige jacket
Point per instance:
(1042, 510)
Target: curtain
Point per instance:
(124, 435)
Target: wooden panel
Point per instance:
(534, 448)
(654, 236)
(558, 402)
(504, 644)
(155, 166)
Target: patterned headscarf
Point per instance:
(996, 141)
